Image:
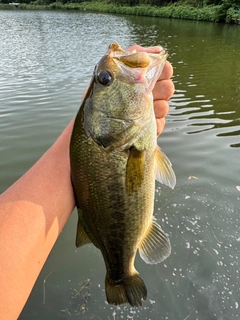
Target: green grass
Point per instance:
(178, 11)
(233, 16)
(6, 7)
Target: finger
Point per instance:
(155, 49)
(163, 90)
(167, 71)
(161, 108)
(160, 125)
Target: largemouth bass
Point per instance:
(114, 163)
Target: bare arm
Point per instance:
(33, 212)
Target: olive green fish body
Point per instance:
(114, 163)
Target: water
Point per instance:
(46, 62)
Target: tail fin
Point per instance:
(130, 290)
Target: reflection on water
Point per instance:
(46, 61)
(206, 58)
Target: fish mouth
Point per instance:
(141, 67)
(135, 68)
(115, 51)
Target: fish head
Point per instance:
(129, 77)
(120, 95)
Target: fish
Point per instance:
(115, 160)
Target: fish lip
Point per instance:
(162, 51)
(118, 54)
(115, 51)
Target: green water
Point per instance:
(46, 61)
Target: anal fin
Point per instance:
(156, 246)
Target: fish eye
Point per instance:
(105, 78)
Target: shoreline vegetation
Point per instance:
(227, 11)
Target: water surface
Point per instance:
(46, 62)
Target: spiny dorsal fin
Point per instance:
(156, 246)
(135, 170)
(81, 238)
(163, 168)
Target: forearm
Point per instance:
(33, 212)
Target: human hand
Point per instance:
(163, 90)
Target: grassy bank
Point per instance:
(206, 13)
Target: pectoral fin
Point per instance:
(135, 169)
(156, 246)
(163, 168)
(81, 238)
